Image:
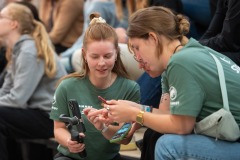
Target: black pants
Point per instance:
(60, 48)
(149, 141)
(20, 124)
(60, 156)
(234, 56)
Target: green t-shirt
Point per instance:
(81, 89)
(192, 80)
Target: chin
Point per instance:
(152, 74)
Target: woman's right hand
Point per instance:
(74, 146)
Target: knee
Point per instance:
(166, 145)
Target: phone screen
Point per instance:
(121, 133)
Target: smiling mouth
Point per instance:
(102, 70)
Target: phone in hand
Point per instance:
(121, 133)
(104, 101)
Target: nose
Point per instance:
(101, 61)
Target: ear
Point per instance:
(153, 36)
(14, 24)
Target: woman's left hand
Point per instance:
(94, 119)
(135, 126)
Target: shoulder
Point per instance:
(26, 42)
(127, 82)
(25, 47)
(191, 54)
(72, 81)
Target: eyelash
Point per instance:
(107, 57)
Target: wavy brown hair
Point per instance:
(161, 21)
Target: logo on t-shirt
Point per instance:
(173, 93)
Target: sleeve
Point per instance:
(7, 84)
(60, 103)
(223, 32)
(28, 73)
(68, 12)
(186, 94)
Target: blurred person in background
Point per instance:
(63, 20)
(29, 84)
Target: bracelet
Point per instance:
(146, 108)
(105, 128)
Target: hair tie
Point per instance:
(97, 20)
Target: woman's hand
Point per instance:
(100, 116)
(135, 126)
(122, 110)
(74, 146)
(117, 111)
(97, 117)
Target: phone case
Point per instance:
(121, 133)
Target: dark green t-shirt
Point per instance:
(192, 80)
(81, 89)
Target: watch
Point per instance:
(146, 108)
(139, 118)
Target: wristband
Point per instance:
(105, 128)
(146, 108)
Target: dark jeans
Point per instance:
(22, 123)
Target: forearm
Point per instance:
(108, 134)
(168, 123)
(62, 135)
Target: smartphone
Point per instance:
(104, 101)
(121, 133)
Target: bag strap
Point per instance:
(222, 82)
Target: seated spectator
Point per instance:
(63, 20)
(3, 56)
(223, 33)
(102, 74)
(190, 86)
(34, 69)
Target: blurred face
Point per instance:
(100, 57)
(145, 54)
(5, 23)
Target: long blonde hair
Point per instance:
(28, 25)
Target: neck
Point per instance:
(177, 48)
(12, 39)
(102, 83)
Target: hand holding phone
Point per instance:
(104, 101)
(121, 133)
